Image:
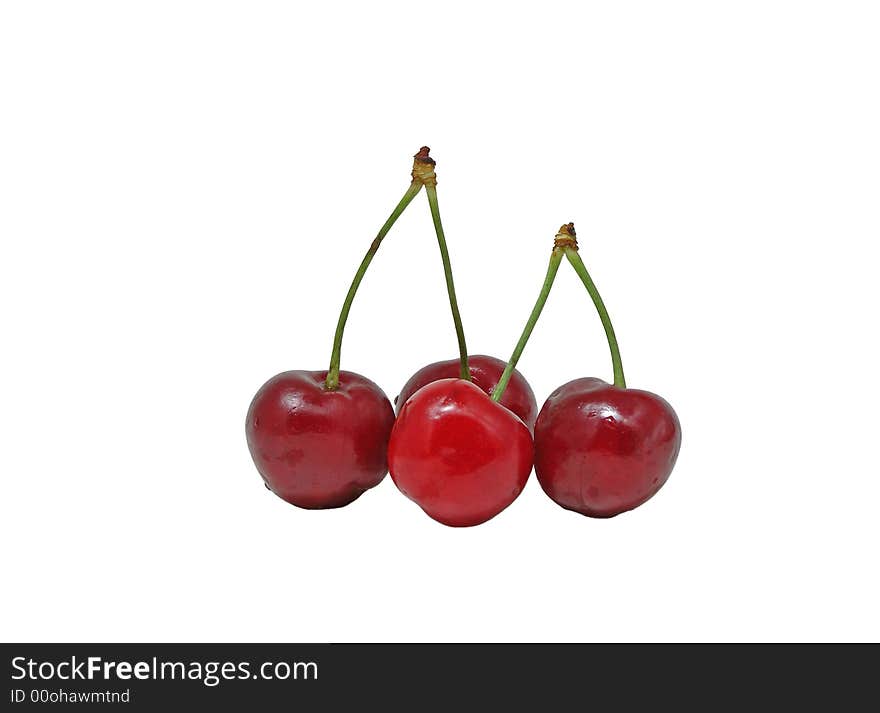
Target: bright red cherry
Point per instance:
(601, 450)
(485, 373)
(459, 455)
(317, 448)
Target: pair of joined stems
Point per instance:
(567, 249)
(428, 181)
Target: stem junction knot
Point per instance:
(566, 237)
(423, 168)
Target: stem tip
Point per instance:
(423, 155)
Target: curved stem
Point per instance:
(581, 270)
(552, 268)
(332, 381)
(464, 371)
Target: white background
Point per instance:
(186, 189)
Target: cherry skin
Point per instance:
(317, 448)
(601, 450)
(485, 372)
(459, 455)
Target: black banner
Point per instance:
(268, 677)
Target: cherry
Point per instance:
(459, 455)
(319, 438)
(485, 371)
(317, 448)
(600, 449)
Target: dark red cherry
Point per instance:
(317, 448)
(462, 457)
(485, 372)
(601, 450)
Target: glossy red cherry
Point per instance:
(485, 373)
(317, 448)
(601, 450)
(459, 455)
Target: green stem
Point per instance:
(332, 381)
(581, 270)
(464, 371)
(552, 268)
